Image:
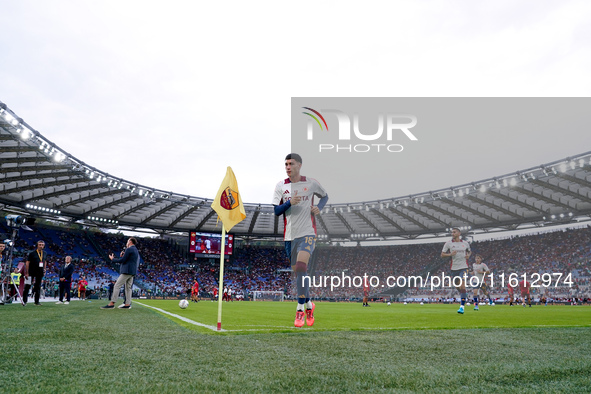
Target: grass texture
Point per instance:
(397, 348)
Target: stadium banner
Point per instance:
(370, 149)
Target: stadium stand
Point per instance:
(52, 185)
(166, 273)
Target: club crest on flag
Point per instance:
(229, 199)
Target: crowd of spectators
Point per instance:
(166, 271)
(562, 254)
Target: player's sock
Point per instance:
(308, 304)
(302, 283)
(475, 301)
(463, 299)
(302, 288)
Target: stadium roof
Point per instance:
(39, 179)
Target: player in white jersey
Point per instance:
(294, 199)
(480, 270)
(460, 252)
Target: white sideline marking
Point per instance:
(213, 328)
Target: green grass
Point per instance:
(253, 317)
(403, 348)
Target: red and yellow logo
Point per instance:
(229, 199)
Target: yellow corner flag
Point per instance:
(228, 203)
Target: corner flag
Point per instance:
(228, 203)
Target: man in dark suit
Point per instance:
(65, 276)
(129, 263)
(110, 289)
(34, 271)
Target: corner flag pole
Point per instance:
(221, 281)
(228, 205)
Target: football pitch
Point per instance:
(253, 317)
(158, 347)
